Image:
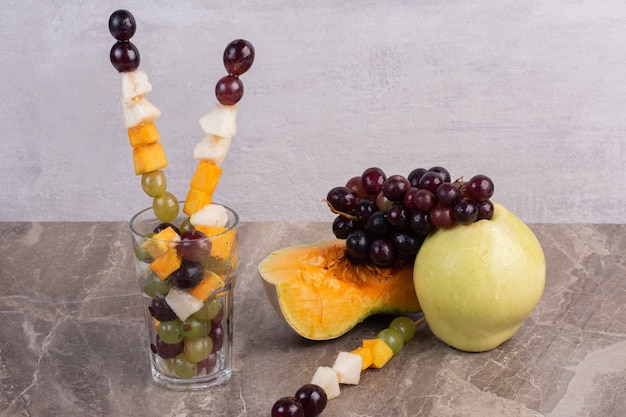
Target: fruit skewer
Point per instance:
(219, 125)
(139, 116)
(310, 399)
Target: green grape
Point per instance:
(155, 285)
(220, 266)
(186, 225)
(165, 207)
(194, 328)
(183, 367)
(393, 338)
(171, 331)
(209, 310)
(154, 183)
(198, 349)
(141, 253)
(404, 325)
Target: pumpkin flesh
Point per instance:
(321, 295)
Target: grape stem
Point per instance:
(420, 321)
(332, 209)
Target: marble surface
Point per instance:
(71, 336)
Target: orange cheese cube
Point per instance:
(167, 263)
(367, 356)
(143, 135)
(206, 177)
(160, 242)
(195, 200)
(222, 243)
(149, 158)
(380, 350)
(210, 283)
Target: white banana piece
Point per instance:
(212, 148)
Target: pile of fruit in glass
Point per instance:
(186, 263)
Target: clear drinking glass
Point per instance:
(187, 290)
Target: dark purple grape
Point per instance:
(217, 335)
(207, 363)
(409, 198)
(415, 176)
(238, 56)
(313, 399)
(217, 320)
(124, 56)
(395, 187)
(465, 212)
(431, 181)
(420, 223)
(229, 90)
(194, 245)
(160, 310)
(343, 226)
(424, 200)
(447, 194)
(485, 210)
(364, 209)
(480, 188)
(377, 225)
(164, 226)
(122, 25)
(357, 244)
(407, 244)
(356, 186)
(168, 350)
(382, 252)
(443, 172)
(398, 216)
(287, 407)
(372, 180)
(342, 199)
(442, 217)
(188, 275)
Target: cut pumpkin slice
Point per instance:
(321, 295)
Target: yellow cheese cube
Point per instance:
(160, 242)
(380, 350)
(210, 283)
(367, 356)
(195, 200)
(149, 158)
(206, 177)
(143, 135)
(167, 263)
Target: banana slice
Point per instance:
(139, 111)
(135, 84)
(210, 215)
(212, 148)
(221, 121)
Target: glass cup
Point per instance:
(187, 284)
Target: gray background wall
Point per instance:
(531, 93)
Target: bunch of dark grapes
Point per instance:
(385, 220)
